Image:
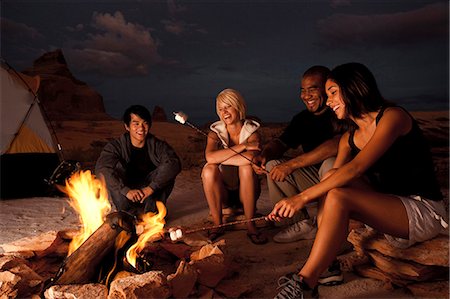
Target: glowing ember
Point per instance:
(153, 228)
(180, 117)
(89, 197)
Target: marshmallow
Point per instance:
(179, 233)
(180, 117)
(173, 235)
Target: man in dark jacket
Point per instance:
(139, 169)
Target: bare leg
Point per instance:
(383, 212)
(360, 183)
(214, 190)
(247, 194)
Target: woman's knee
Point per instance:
(210, 172)
(336, 199)
(246, 172)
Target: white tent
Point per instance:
(23, 127)
(28, 153)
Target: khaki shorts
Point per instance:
(426, 220)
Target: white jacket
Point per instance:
(248, 128)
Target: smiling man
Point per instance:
(139, 169)
(314, 130)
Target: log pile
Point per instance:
(194, 268)
(422, 268)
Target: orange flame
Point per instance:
(89, 198)
(153, 225)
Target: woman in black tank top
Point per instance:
(385, 145)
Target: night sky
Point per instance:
(181, 54)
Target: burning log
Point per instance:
(81, 266)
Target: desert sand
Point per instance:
(36, 220)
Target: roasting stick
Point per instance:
(194, 230)
(178, 233)
(182, 118)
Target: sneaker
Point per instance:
(302, 230)
(332, 276)
(292, 287)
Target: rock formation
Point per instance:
(159, 114)
(61, 94)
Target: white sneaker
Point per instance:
(302, 230)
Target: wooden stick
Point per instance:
(194, 230)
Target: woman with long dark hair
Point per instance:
(384, 147)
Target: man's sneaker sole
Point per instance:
(309, 236)
(331, 280)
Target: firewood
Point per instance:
(83, 263)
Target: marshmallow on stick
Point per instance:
(180, 117)
(175, 234)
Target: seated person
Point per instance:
(139, 169)
(233, 137)
(385, 143)
(315, 130)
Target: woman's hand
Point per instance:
(286, 208)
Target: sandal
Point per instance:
(215, 234)
(257, 238)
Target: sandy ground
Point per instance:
(22, 220)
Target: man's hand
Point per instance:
(259, 164)
(281, 171)
(135, 195)
(139, 195)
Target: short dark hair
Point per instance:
(140, 111)
(320, 70)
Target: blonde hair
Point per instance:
(233, 98)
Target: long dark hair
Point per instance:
(358, 88)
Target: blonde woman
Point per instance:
(227, 170)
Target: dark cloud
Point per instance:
(175, 9)
(78, 27)
(417, 26)
(179, 27)
(174, 26)
(116, 48)
(19, 31)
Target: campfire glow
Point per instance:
(152, 225)
(89, 197)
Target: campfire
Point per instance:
(117, 255)
(88, 196)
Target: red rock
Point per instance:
(151, 284)
(61, 94)
(77, 291)
(183, 281)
